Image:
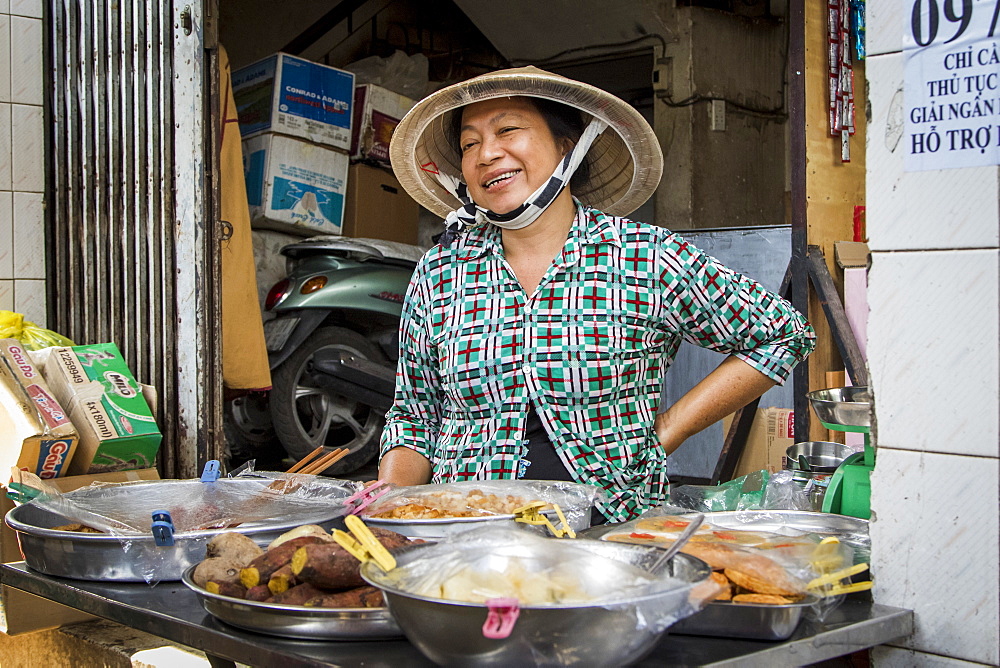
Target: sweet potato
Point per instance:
(390, 539)
(259, 570)
(359, 597)
(297, 595)
(282, 580)
(233, 545)
(258, 593)
(327, 566)
(234, 589)
(298, 532)
(216, 569)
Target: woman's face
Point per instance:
(508, 152)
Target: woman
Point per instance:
(535, 336)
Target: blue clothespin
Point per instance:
(163, 528)
(211, 471)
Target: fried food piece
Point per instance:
(76, 527)
(767, 599)
(727, 591)
(757, 585)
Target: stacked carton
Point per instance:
(295, 119)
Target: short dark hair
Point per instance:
(564, 122)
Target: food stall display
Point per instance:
(496, 595)
(435, 511)
(126, 543)
(766, 562)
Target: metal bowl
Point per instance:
(608, 633)
(103, 556)
(296, 621)
(820, 456)
(842, 406)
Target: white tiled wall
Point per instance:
(934, 361)
(935, 548)
(22, 164)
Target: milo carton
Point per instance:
(106, 405)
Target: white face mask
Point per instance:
(470, 214)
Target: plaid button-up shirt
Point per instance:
(589, 348)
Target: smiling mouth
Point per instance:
(501, 178)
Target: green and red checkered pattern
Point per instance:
(589, 348)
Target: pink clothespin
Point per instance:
(503, 613)
(366, 496)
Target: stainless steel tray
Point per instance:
(295, 621)
(90, 556)
(744, 620)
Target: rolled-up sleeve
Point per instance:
(415, 417)
(725, 311)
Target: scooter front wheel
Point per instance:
(307, 415)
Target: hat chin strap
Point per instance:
(470, 214)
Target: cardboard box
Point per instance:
(24, 612)
(295, 97)
(378, 207)
(772, 431)
(35, 431)
(116, 426)
(294, 185)
(377, 112)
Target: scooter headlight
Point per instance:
(277, 294)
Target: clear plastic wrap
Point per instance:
(256, 503)
(484, 499)
(499, 562)
(773, 553)
(125, 509)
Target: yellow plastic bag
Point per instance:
(14, 326)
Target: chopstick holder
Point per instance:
(363, 544)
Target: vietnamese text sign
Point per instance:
(952, 84)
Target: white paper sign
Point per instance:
(952, 84)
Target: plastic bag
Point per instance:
(754, 491)
(14, 326)
(485, 498)
(406, 75)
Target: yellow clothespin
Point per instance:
(366, 547)
(827, 560)
(531, 514)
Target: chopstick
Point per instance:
(299, 465)
(325, 462)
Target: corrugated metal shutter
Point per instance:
(128, 204)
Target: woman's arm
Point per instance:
(732, 385)
(403, 466)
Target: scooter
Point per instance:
(332, 348)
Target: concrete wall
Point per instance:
(22, 164)
(933, 357)
(731, 177)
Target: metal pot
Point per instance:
(611, 633)
(819, 456)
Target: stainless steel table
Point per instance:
(169, 610)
